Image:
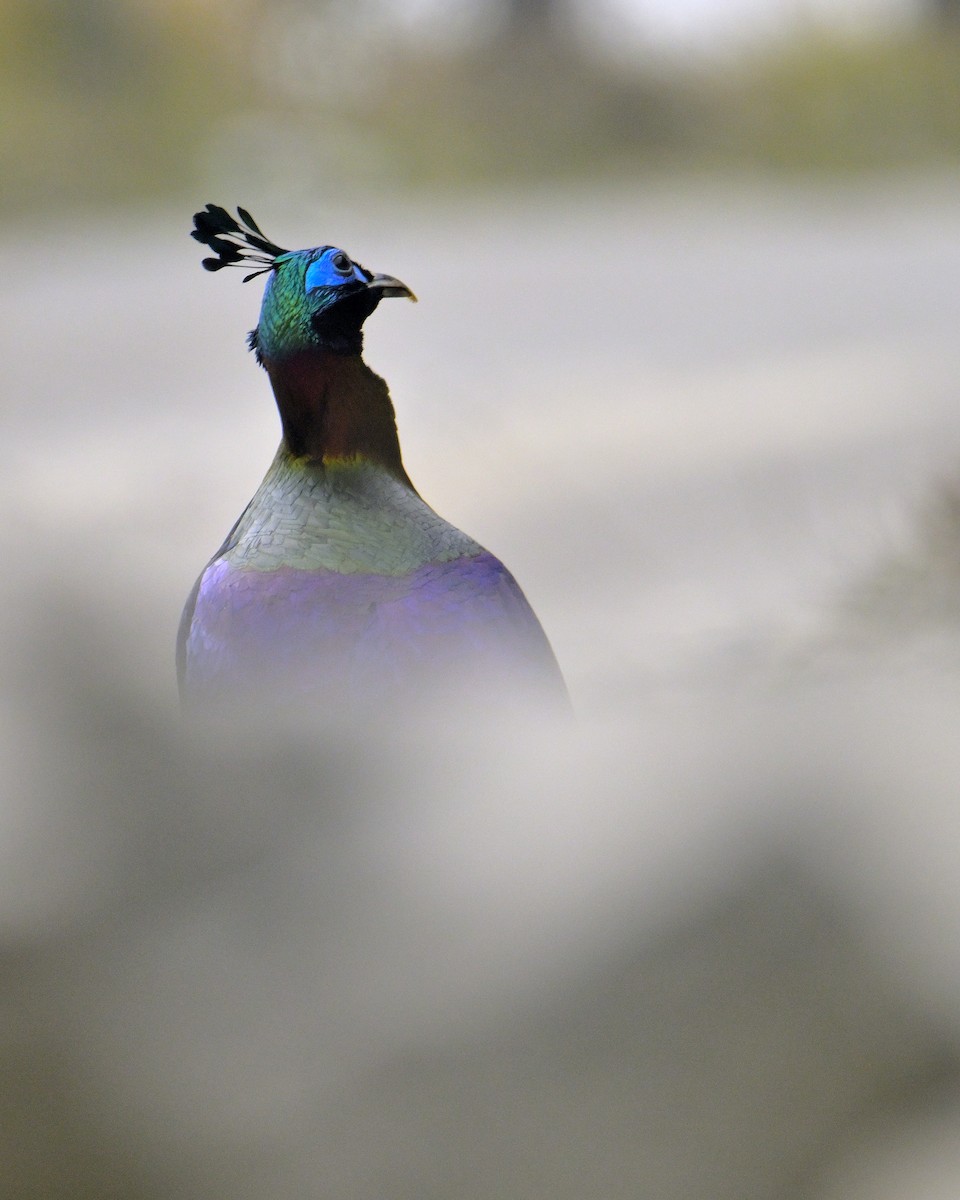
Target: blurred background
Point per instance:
(109, 103)
(686, 358)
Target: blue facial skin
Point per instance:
(316, 297)
(332, 269)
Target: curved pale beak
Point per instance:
(388, 286)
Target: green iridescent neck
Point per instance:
(284, 327)
(295, 319)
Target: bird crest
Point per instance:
(235, 243)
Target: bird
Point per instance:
(338, 584)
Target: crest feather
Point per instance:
(235, 243)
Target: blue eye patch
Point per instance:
(332, 269)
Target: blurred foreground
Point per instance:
(703, 945)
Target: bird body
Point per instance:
(338, 582)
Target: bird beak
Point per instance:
(388, 286)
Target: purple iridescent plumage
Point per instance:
(348, 637)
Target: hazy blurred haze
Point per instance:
(686, 358)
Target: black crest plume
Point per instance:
(234, 242)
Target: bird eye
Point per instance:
(341, 263)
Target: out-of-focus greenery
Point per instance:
(106, 102)
(822, 103)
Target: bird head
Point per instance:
(314, 299)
